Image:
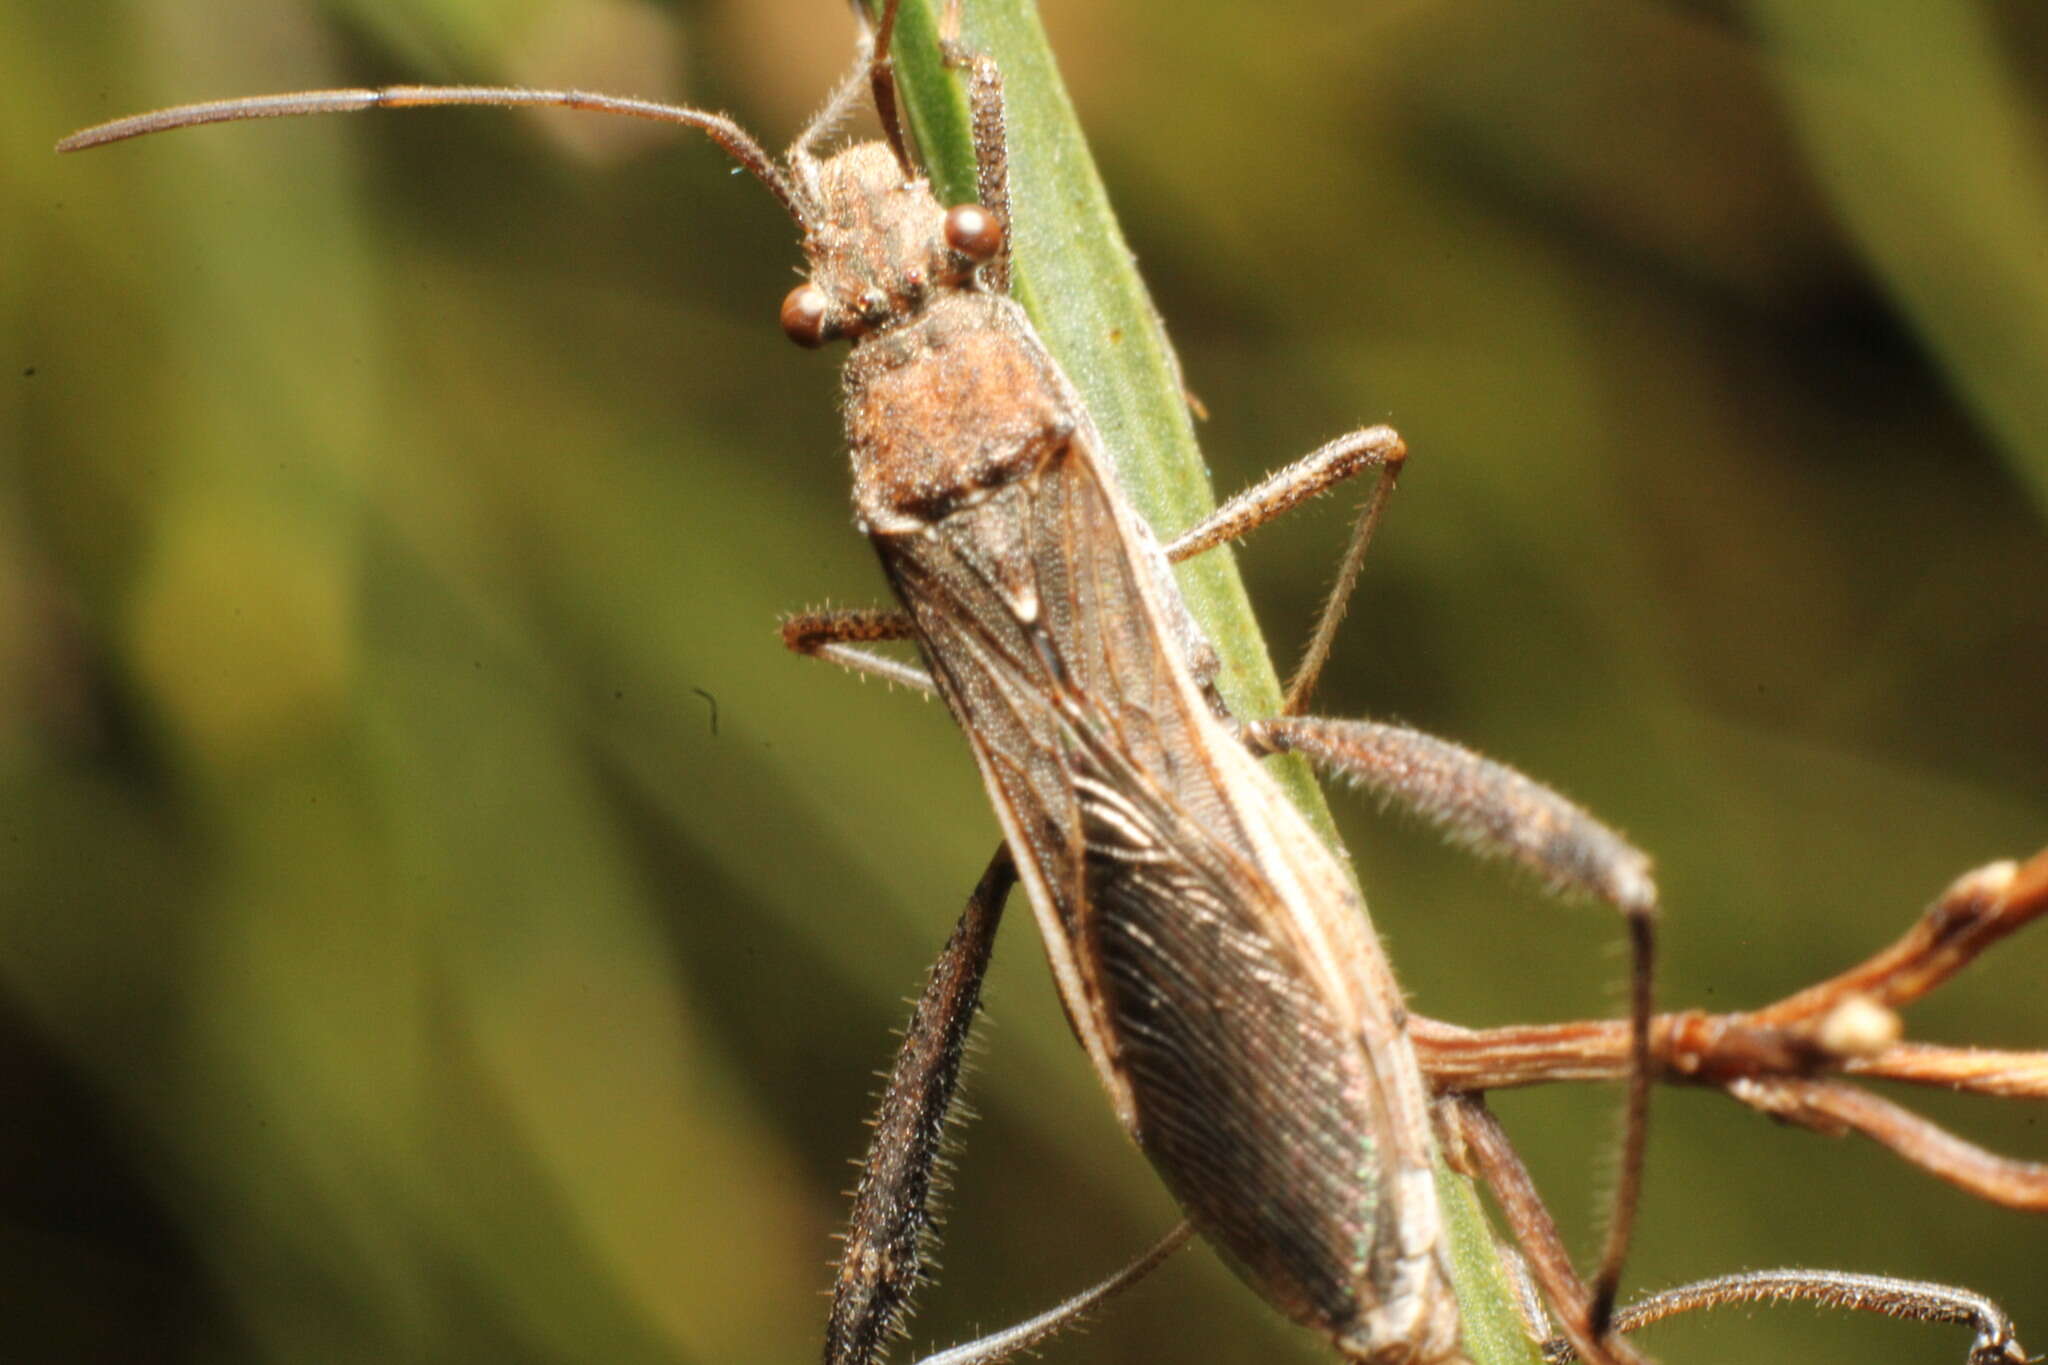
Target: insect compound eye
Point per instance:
(807, 317)
(974, 232)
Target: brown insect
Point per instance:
(1211, 954)
(1216, 964)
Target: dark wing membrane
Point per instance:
(1251, 1100)
(1120, 659)
(1256, 1107)
(1253, 1104)
(963, 581)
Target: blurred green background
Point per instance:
(437, 920)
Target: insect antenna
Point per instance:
(720, 129)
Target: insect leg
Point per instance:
(1036, 1330)
(1488, 806)
(1476, 1134)
(1284, 489)
(1374, 448)
(891, 1224)
(845, 95)
(882, 1261)
(1997, 1342)
(881, 64)
(1475, 1141)
(807, 632)
(837, 636)
(1500, 813)
(991, 136)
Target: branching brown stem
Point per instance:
(1792, 1059)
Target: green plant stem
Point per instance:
(1076, 278)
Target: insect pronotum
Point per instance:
(1210, 951)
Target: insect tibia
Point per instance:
(1996, 1342)
(1036, 1330)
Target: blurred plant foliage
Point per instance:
(396, 961)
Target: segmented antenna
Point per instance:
(720, 129)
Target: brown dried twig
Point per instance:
(1792, 1059)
